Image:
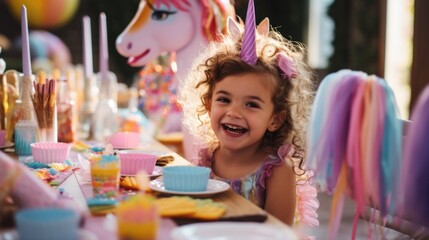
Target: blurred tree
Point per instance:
(358, 35)
(290, 18)
(118, 15)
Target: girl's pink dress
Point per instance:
(252, 186)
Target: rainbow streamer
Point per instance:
(354, 143)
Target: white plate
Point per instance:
(151, 152)
(157, 171)
(232, 231)
(131, 148)
(83, 234)
(213, 187)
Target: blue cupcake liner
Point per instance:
(186, 178)
(47, 224)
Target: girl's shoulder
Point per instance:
(279, 158)
(275, 160)
(205, 156)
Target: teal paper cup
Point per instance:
(186, 178)
(47, 224)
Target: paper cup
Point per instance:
(124, 140)
(186, 178)
(132, 163)
(50, 152)
(47, 224)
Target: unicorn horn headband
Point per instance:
(248, 48)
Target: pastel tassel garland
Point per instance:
(354, 143)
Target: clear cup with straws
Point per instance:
(45, 107)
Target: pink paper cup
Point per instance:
(124, 140)
(132, 163)
(50, 152)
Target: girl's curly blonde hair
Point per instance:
(294, 96)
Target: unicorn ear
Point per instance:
(264, 27)
(233, 29)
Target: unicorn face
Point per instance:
(159, 26)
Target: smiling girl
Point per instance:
(248, 99)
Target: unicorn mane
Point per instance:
(213, 15)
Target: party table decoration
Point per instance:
(355, 141)
(66, 126)
(27, 190)
(12, 96)
(104, 121)
(50, 152)
(138, 217)
(187, 207)
(26, 126)
(44, 102)
(193, 24)
(52, 173)
(90, 90)
(129, 183)
(132, 163)
(186, 178)
(105, 173)
(4, 105)
(2, 64)
(124, 140)
(47, 224)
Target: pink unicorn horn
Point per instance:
(248, 47)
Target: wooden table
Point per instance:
(238, 208)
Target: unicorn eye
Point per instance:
(160, 15)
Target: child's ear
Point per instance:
(277, 121)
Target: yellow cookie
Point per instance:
(207, 209)
(176, 206)
(129, 183)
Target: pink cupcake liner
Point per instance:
(132, 163)
(124, 140)
(50, 152)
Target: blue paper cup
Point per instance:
(47, 224)
(186, 178)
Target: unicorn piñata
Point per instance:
(181, 26)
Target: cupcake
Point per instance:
(137, 218)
